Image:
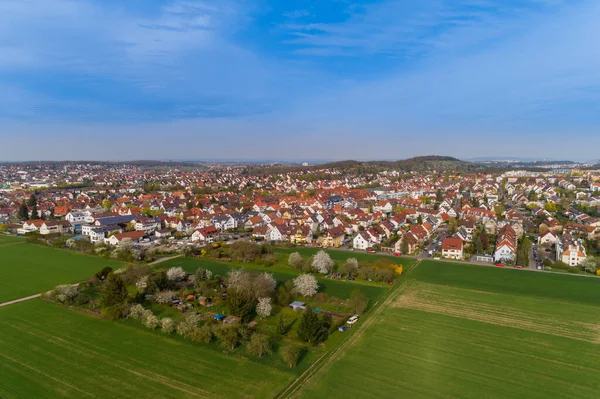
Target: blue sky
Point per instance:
(327, 79)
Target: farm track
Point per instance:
(312, 374)
(30, 297)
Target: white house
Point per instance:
(361, 241)
(547, 238)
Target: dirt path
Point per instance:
(156, 262)
(319, 368)
(27, 298)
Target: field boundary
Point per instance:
(311, 374)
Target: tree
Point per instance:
(499, 210)
(404, 245)
(259, 345)
(187, 325)
(295, 260)
(419, 219)
(164, 297)
(485, 241)
(590, 264)
(114, 297)
(290, 355)
(151, 321)
(34, 213)
(106, 204)
(264, 307)
(313, 329)
(309, 325)
(202, 275)
(452, 226)
(477, 245)
(263, 285)
(202, 334)
(32, 200)
(438, 196)
(239, 304)
(167, 325)
(322, 262)
(23, 213)
(358, 301)
(306, 285)
(229, 335)
(102, 274)
(284, 296)
(176, 274)
(281, 328)
(351, 267)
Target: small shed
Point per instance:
(298, 305)
(231, 320)
(204, 301)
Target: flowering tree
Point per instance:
(136, 312)
(164, 297)
(263, 285)
(263, 308)
(295, 260)
(151, 321)
(322, 262)
(167, 325)
(351, 267)
(306, 285)
(66, 293)
(236, 278)
(142, 283)
(187, 325)
(175, 274)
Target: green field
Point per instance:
(338, 288)
(47, 351)
(5, 239)
(27, 269)
(340, 256)
(456, 331)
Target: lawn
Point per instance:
(338, 288)
(444, 335)
(52, 352)
(27, 269)
(340, 256)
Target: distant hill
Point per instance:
(416, 164)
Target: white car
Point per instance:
(352, 320)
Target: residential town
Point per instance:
(538, 219)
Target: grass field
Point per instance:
(27, 269)
(341, 289)
(456, 331)
(47, 351)
(5, 239)
(340, 256)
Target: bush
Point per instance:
(136, 312)
(102, 274)
(66, 293)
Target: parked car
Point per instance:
(371, 251)
(390, 282)
(397, 254)
(342, 328)
(499, 264)
(518, 267)
(352, 320)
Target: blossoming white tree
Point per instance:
(264, 307)
(167, 325)
(176, 274)
(295, 260)
(306, 285)
(151, 321)
(164, 297)
(322, 262)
